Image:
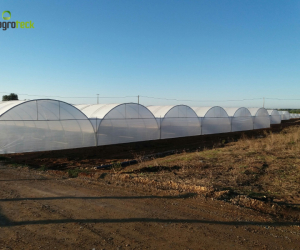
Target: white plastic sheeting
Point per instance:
(241, 119)
(285, 115)
(261, 118)
(121, 123)
(275, 117)
(43, 125)
(176, 121)
(214, 120)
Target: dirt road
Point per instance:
(41, 211)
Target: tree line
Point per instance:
(10, 97)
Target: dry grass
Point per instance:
(268, 166)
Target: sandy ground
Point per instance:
(43, 211)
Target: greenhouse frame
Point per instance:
(214, 120)
(275, 117)
(176, 121)
(43, 125)
(241, 119)
(121, 123)
(261, 118)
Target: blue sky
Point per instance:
(209, 51)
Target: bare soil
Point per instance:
(39, 210)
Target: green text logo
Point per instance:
(16, 24)
(6, 18)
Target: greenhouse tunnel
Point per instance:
(285, 115)
(241, 119)
(43, 125)
(214, 120)
(121, 123)
(261, 118)
(275, 117)
(176, 121)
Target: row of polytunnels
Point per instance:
(44, 125)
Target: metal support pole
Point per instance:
(160, 127)
(96, 131)
(97, 98)
(37, 111)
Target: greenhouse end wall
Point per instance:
(285, 115)
(176, 121)
(121, 123)
(241, 119)
(261, 118)
(275, 117)
(43, 125)
(214, 120)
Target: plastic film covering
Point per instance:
(275, 117)
(285, 115)
(214, 120)
(121, 123)
(241, 119)
(176, 121)
(43, 125)
(261, 118)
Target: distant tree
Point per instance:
(295, 111)
(10, 97)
